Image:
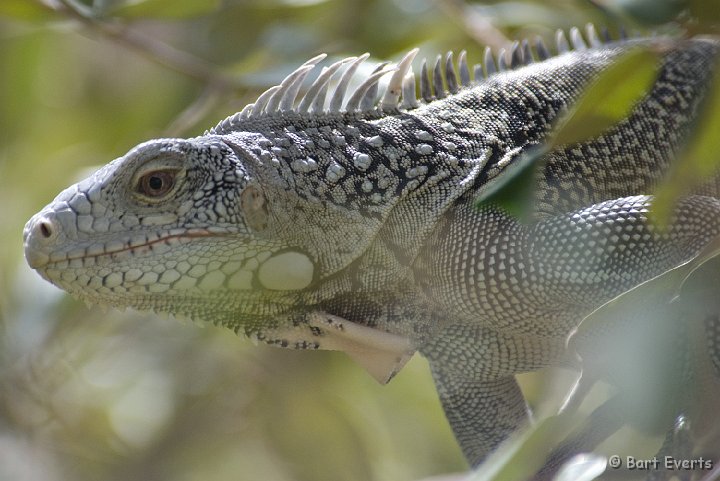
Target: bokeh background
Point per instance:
(88, 394)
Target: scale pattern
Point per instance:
(337, 220)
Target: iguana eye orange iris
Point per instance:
(156, 183)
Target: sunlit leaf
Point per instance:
(610, 98)
(165, 8)
(699, 161)
(523, 455)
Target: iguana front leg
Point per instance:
(501, 405)
(473, 368)
(527, 286)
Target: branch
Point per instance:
(149, 47)
(477, 26)
(191, 116)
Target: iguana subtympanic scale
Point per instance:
(347, 222)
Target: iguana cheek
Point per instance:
(287, 271)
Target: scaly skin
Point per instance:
(358, 231)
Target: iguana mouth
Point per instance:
(131, 247)
(168, 240)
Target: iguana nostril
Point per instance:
(46, 229)
(39, 234)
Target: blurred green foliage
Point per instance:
(92, 395)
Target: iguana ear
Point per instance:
(381, 353)
(254, 208)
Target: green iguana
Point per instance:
(349, 221)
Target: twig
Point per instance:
(149, 47)
(191, 116)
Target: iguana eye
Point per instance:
(156, 183)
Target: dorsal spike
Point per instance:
(425, 88)
(478, 72)
(339, 95)
(516, 59)
(354, 102)
(542, 52)
(502, 60)
(288, 90)
(395, 86)
(245, 112)
(489, 62)
(561, 42)
(314, 89)
(321, 81)
(314, 61)
(592, 36)
(578, 42)
(463, 68)
(527, 53)
(230, 121)
(226, 124)
(262, 101)
(605, 34)
(450, 74)
(438, 88)
(369, 98)
(409, 100)
(318, 103)
(290, 86)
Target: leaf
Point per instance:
(513, 190)
(700, 160)
(164, 8)
(647, 296)
(25, 10)
(610, 98)
(523, 455)
(706, 13)
(648, 12)
(583, 467)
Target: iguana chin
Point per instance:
(334, 220)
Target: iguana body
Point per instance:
(307, 224)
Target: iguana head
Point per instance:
(201, 227)
(237, 225)
(229, 226)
